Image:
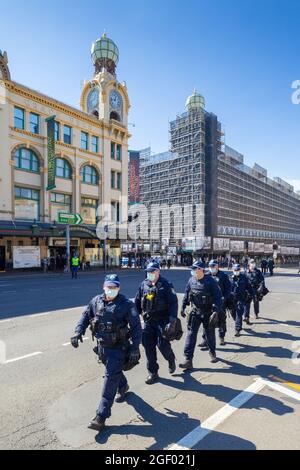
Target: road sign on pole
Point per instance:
(71, 219)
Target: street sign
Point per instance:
(72, 219)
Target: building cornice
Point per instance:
(45, 100)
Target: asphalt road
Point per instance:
(250, 399)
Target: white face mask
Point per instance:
(111, 293)
(213, 270)
(252, 265)
(236, 273)
(151, 277)
(193, 272)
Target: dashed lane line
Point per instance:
(22, 357)
(37, 315)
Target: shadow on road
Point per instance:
(166, 429)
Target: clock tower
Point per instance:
(103, 96)
(106, 99)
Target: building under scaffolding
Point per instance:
(245, 211)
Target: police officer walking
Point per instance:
(204, 295)
(257, 281)
(242, 292)
(225, 286)
(157, 302)
(115, 324)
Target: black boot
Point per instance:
(237, 333)
(213, 357)
(247, 320)
(203, 345)
(97, 424)
(151, 379)
(187, 364)
(121, 395)
(172, 366)
(222, 342)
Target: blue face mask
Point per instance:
(193, 272)
(111, 293)
(151, 277)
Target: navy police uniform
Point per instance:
(205, 296)
(224, 283)
(158, 304)
(242, 291)
(111, 319)
(257, 280)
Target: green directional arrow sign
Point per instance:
(72, 219)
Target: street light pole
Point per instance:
(68, 246)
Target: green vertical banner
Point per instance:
(51, 152)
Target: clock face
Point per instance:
(115, 100)
(93, 99)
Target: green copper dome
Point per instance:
(104, 49)
(195, 101)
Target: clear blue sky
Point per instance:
(242, 55)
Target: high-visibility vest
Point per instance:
(75, 261)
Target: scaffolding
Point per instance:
(177, 177)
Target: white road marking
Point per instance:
(68, 344)
(281, 389)
(5, 285)
(36, 315)
(22, 357)
(195, 436)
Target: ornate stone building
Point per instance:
(91, 163)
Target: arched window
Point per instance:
(115, 116)
(89, 175)
(63, 168)
(26, 159)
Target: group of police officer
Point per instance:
(115, 322)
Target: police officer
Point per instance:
(242, 292)
(204, 295)
(257, 281)
(157, 302)
(113, 319)
(225, 286)
(74, 265)
(271, 266)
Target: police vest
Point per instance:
(239, 288)
(200, 297)
(254, 278)
(154, 302)
(109, 330)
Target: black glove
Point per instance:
(134, 355)
(214, 320)
(170, 327)
(75, 340)
(182, 313)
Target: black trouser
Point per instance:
(194, 323)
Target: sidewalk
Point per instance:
(38, 273)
